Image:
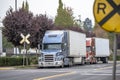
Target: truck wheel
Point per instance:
(83, 61)
(62, 65)
(40, 67)
(105, 60)
(70, 63)
(95, 61)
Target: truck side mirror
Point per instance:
(65, 44)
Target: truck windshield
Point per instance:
(52, 47)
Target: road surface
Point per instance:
(79, 72)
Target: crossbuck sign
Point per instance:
(25, 38)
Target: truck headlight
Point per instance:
(59, 53)
(58, 58)
(40, 59)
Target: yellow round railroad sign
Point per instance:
(107, 14)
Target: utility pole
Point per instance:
(15, 10)
(15, 5)
(114, 56)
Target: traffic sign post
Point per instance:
(24, 40)
(114, 57)
(24, 53)
(107, 15)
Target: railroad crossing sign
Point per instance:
(25, 38)
(107, 14)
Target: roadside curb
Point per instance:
(7, 68)
(112, 61)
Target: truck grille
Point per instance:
(49, 58)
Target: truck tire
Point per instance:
(83, 61)
(105, 60)
(70, 62)
(62, 66)
(40, 67)
(95, 61)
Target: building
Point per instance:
(1, 38)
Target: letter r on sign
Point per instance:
(101, 7)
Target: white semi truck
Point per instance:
(97, 50)
(62, 47)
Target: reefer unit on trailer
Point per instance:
(97, 50)
(62, 47)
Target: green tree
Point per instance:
(87, 25)
(6, 44)
(25, 6)
(64, 16)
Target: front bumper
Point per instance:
(50, 64)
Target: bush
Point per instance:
(34, 60)
(117, 57)
(12, 61)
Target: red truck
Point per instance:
(97, 49)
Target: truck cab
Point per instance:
(53, 49)
(90, 50)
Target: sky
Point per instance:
(84, 8)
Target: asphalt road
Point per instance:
(80, 72)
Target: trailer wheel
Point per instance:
(105, 60)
